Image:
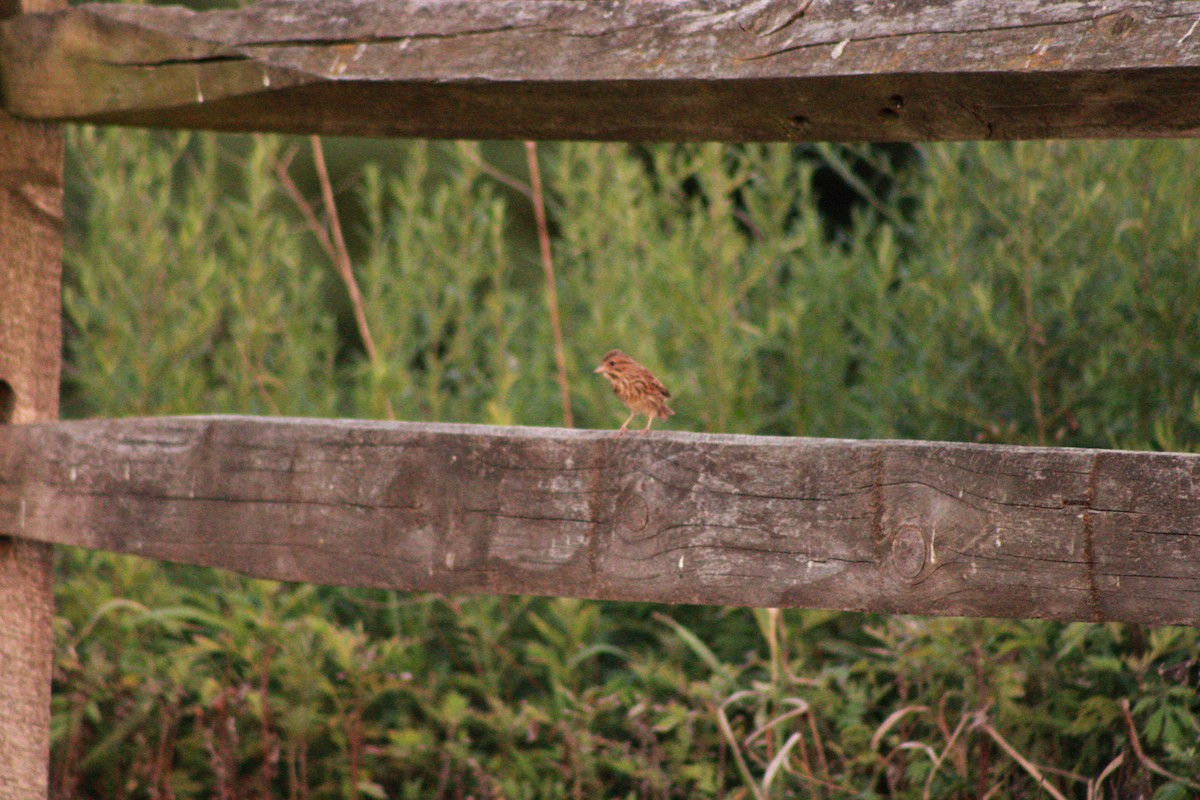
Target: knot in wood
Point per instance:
(631, 515)
(1121, 24)
(908, 551)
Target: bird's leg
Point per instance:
(626, 423)
(649, 422)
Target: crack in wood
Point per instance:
(731, 547)
(236, 500)
(984, 555)
(554, 468)
(251, 44)
(174, 62)
(491, 512)
(1089, 545)
(1154, 576)
(1186, 535)
(840, 37)
(878, 534)
(790, 20)
(985, 504)
(769, 534)
(1060, 466)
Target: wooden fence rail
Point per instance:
(731, 70)
(891, 526)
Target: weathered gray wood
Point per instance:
(901, 527)
(30, 344)
(907, 70)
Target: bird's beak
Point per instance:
(599, 369)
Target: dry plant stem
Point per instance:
(259, 381)
(539, 211)
(354, 737)
(342, 256)
(1026, 764)
(796, 741)
(892, 719)
(836, 789)
(1093, 792)
(806, 770)
(731, 740)
(819, 746)
(1141, 754)
(270, 747)
(282, 169)
(495, 173)
(773, 649)
(801, 707)
(777, 762)
(330, 237)
(924, 748)
(937, 764)
(1033, 344)
(773, 630)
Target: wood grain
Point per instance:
(889, 526)
(731, 70)
(31, 181)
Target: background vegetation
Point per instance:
(1024, 293)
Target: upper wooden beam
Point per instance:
(733, 70)
(890, 526)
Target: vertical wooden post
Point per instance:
(31, 171)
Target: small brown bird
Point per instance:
(639, 390)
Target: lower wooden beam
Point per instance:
(888, 526)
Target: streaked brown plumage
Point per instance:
(638, 389)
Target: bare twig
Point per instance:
(1141, 754)
(727, 731)
(494, 172)
(778, 761)
(892, 719)
(924, 748)
(1093, 791)
(801, 707)
(937, 763)
(341, 254)
(1035, 773)
(539, 211)
(819, 746)
(329, 236)
(260, 378)
(282, 169)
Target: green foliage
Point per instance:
(190, 292)
(710, 263)
(1021, 293)
(435, 277)
(1053, 300)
